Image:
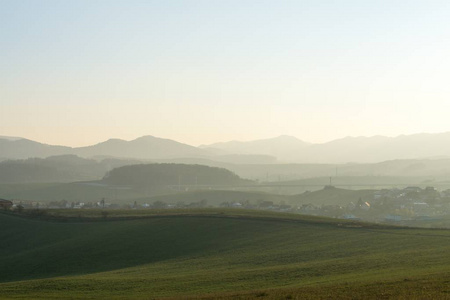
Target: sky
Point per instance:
(80, 72)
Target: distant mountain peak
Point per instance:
(144, 147)
(146, 137)
(288, 138)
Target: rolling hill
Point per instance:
(172, 174)
(69, 168)
(332, 196)
(220, 254)
(61, 168)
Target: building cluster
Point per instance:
(390, 205)
(406, 206)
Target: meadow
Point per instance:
(218, 253)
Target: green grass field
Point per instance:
(220, 254)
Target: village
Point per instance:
(407, 206)
(403, 206)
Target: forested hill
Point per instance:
(172, 174)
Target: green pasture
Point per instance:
(219, 254)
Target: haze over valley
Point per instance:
(199, 149)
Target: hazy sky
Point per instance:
(79, 72)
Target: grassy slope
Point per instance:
(219, 254)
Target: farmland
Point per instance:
(219, 253)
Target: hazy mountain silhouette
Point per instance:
(10, 138)
(377, 148)
(146, 147)
(23, 148)
(348, 149)
(282, 147)
(69, 168)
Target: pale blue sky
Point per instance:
(79, 72)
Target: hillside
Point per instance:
(62, 168)
(221, 254)
(171, 174)
(412, 170)
(331, 196)
(69, 168)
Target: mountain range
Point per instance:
(146, 147)
(282, 149)
(346, 150)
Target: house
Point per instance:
(5, 204)
(365, 206)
